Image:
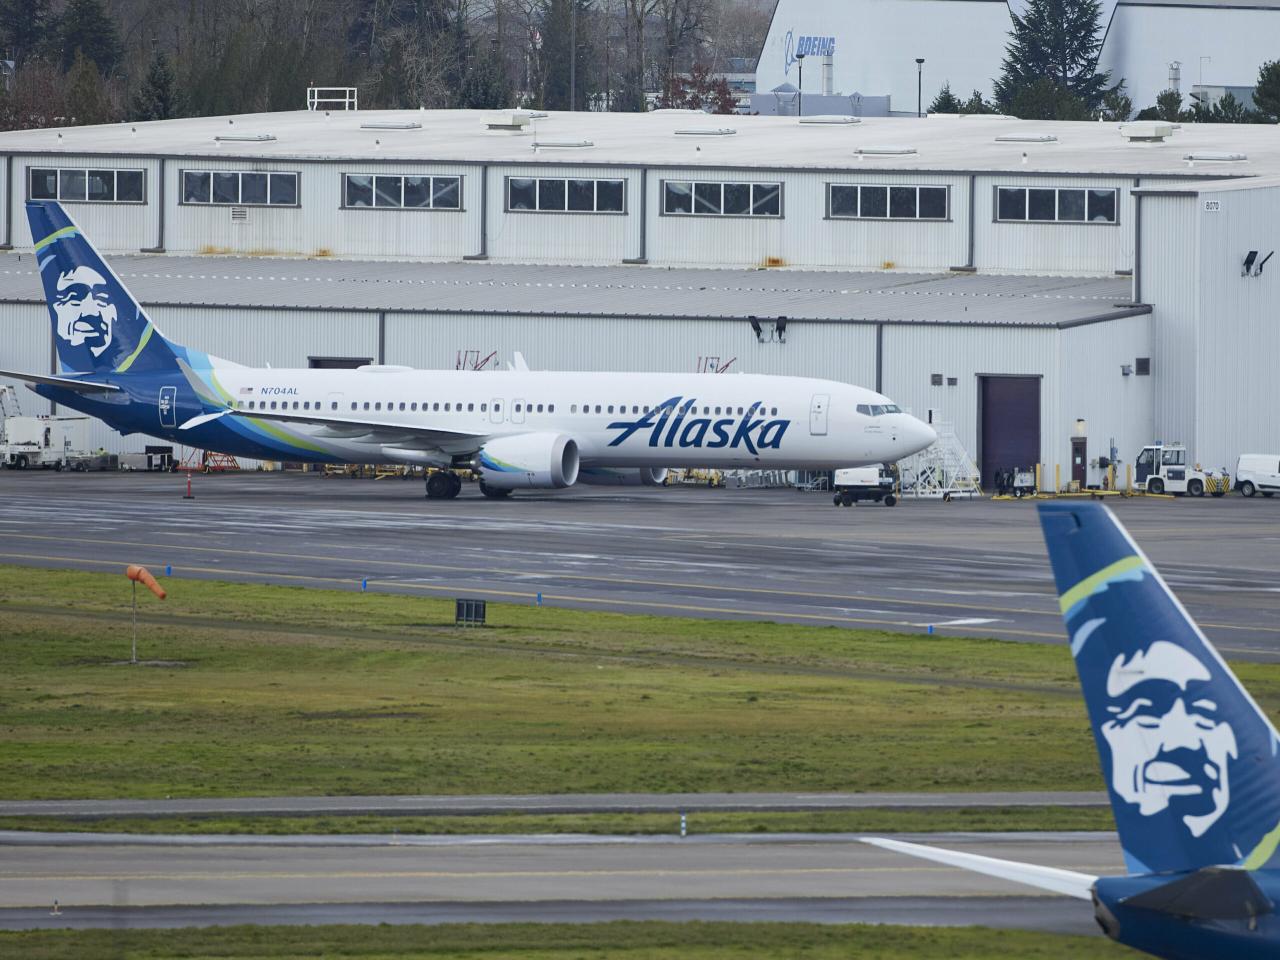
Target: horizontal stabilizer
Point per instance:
(66, 383)
(1065, 882)
(1214, 893)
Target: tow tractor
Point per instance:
(1163, 468)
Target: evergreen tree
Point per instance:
(25, 26)
(87, 100)
(1169, 106)
(87, 26)
(975, 104)
(557, 42)
(1266, 95)
(1230, 110)
(946, 101)
(1116, 105)
(1055, 41)
(486, 86)
(158, 98)
(1045, 100)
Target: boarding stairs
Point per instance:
(942, 471)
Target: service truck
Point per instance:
(863, 483)
(41, 441)
(1164, 468)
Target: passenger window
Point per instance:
(366, 404)
(484, 407)
(551, 408)
(598, 408)
(446, 408)
(471, 408)
(353, 406)
(377, 406)
(401, 404)
(413, 406)
(517, 408)
(334, 405)
(573, 408)
(251, 407)
(539, 408)
(611, 408)
(773, 411)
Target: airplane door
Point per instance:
(818, 414)
(517, 411)
(495, 410)
(168, 406)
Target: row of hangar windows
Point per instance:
(690, 198)
(520, 406)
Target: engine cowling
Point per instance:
(529, 461)
(623, 476)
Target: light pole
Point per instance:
(800, 95)
(919, 87)
(573, 55)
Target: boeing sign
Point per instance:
(804, 46)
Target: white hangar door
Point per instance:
(818, 414)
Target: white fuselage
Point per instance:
(616, 419)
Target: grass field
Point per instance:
(289, 691)
(632, 941)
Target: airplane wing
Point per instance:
(361, 431)
(66, 383)
(1066, 882)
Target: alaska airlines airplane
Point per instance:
(1190, 760)
(516, 429)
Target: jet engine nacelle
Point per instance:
(529, 461)
(623, 476)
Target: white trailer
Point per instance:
(41, 441)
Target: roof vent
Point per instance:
(1215, 156)
(244, 137)
(886, 151)
(706, 132)
(832, 120)
(1027, 138)
(517, 121)
(391, 125)
(1146, 131)
(563, 144)
(986, 116)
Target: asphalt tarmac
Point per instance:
(964, 568)
(584, 803)
(821, 878)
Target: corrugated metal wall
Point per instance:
(563, 237)
(804, 236)
(913, 353)
(1237, 340)
(113, 227)
(281, 338)
(26, 346)
(1094, 389)
(836, 350)
(319, 224)
(1051, 247)
(1170, 278)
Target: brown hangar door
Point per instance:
(1009, 420)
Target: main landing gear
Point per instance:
(443, 485)
(494, 493)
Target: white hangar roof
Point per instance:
(604, 292)
(673, 139)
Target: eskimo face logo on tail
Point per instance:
(676, 424)
(86, 315)
(1170, 750)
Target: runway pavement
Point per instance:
(543, 804)
(966, 568)
(826, 878)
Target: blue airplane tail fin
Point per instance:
(1189, 758)
(98, 326)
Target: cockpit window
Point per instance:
(864, 409)
(892, 408)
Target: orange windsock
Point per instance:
(143, 576)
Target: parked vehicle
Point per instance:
(1258, 473)
(1164, 468)
(863, 483)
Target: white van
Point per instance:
(1258, 473)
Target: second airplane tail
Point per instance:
(1189, 758)
(98, 326)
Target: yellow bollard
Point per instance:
(1128, 478)
(1039, 485)
(1057, 478)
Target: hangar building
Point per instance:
(1188, 45)
(1037, 285)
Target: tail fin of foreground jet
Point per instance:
(98, 326)
(1189, 758)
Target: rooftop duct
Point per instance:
(1146, 131)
